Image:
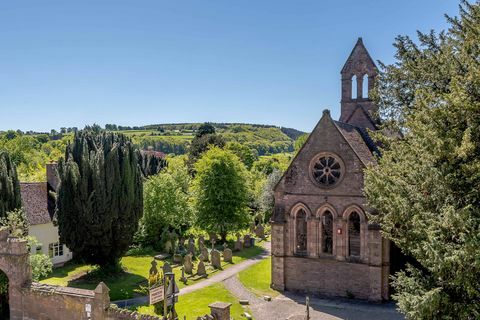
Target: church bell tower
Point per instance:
(358, 76)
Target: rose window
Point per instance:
(327, 170)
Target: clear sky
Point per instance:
(137, 62)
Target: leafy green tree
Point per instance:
(100, 197)
(300, 142)
(204, 129)
(9, 185)
(166, 205)
(267, 199)
(247, 155)
(200, 144)
(220, 188)
(41, 266)
(426, 185)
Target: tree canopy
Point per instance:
(221, 193)
(100, 196)
(426, 185)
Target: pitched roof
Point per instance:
(358, 50)
(359, 140)
(35, 202)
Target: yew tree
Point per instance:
(100, 196)
(10, 198)
(426, 185)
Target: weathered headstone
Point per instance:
(260, 231)
(183, 278)
(153, 268)
(201, 269)
(177, 258)
(191, 246)
(187, 264)
(247, 241)
(238, 243)
(216, 261)
(213, 237)
(227, 255)
(166, 268)
(213, 241)
(168, 246)
(201, 241)
(205, 254)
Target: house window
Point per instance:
(55, 249)
(301, 232)
(327, 232)
(354, 235)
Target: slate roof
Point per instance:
(361, 143)
(35, 202)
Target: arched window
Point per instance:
(327, 232)
(365, 86)
(354, 87)
(301, 232)
(354, 234)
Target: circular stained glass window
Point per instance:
(327, 170)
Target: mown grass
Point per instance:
(195, 304)
(133, 280)
(258, 277)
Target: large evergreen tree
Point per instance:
(220, 187)
(426, 185)
(100, 196)
(9, 185)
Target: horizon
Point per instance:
(273, 63)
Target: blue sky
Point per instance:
(71, 63)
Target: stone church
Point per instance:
(322, 241)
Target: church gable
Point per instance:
(330, 162)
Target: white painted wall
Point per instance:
(48, 233)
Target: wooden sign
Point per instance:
(157, 294)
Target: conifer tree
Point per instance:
(426, 185)
(10, 198)
(100, 196)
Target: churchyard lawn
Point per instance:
(258, 277)
(133, 281)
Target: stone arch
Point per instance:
(327, 237)
(350, 239)
(365, 86)
(354, 87)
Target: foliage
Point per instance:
(247, 155)
(166, 205)
(204, 129)
(16, 222)
(221, 192)
(41, 266)
(300, 142)
(425, 187)
(100, 197)
(200, 144)
(10, 198)
(151, 162)
(267, 199)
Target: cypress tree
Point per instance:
(100, 196)
(9, 185)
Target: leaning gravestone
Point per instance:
(238, 243)
(227, 255)
(260, 231)
(205, 254)
(247, 241)
(216, 262)
(201, 269)
(166, 268)
(187, 264)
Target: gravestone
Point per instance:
(216, 261)
(191, 246)
(201, 241)
(247, 241)
(213, 237)
(187, 264)
(183, 278)
(166, 268)
(260, 232)
(227, 255)
(205, 254)
(213, 241)
(238, 243)
(153, 268)
(168, 246)
(177, 258)
(201, 272)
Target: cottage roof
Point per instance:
(35, 202)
